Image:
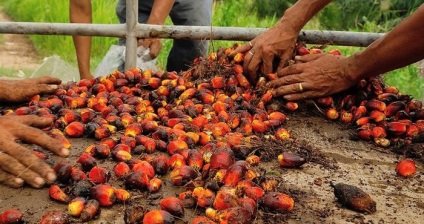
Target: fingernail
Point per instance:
(51, 177)
(39, 181)
(19, 181)
(51, 87)
(64, 152)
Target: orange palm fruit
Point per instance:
(359, 112)
(133, 130)
(377, 116)
(238, 57)
(158, 217)
(376, 105)
(243, 81)
(187, 94)
(222, 158)
(230, 215)
(291, 106)
(204, 197)
(172, 205)
(287, 159)
(277, 201)
(76, 206)
(195, 159)
(269, 185)
(379, 132)
(122, 195)
(235, 173)
(104, 194)
(145, 167)
(154, 184)
(346, 117)
(218, 82)
(74, 129)
(324, 101)
(332, 114)
(176, 161)
(393, 108)
(121, 169)
(255, 193)
(282, 134)
(225, 199)
(253, 160)
(90, 211)
(335, 52)
(99, 175)
(182, 175)
(365, 133)
(176, 146)
(363, 121)
(57, 194)
(396, 128)
(102, 132)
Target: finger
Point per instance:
(283, 60)
(289, 70)
(10, 180)
(253, 67)
(15, 168)
(46, 88)
(288, 89)
(301, 96)
(36, 136)
(308, 57)
(28, 159)
(34, 121)
(155, 49)
(267, 63)
(243, 48)
(48, 80)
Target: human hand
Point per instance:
(15, 91)
(18, 164)
(154, 44)
(276, 43)
(312, 76)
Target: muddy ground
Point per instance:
(332, 157)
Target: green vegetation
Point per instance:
(369, 16)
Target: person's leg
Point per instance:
(189, 13)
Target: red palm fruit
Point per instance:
(302, 50)
(104, 194)
(218, 82)
(154, 184)
(128, 141)
(414, 105)
(154, 82)
(204, 138)
(393, 108)
(315, 51)
(102, 132)
(282, 134)
(251, 174)
(54, 216)
(87, 115)
(324, 101)
(137, 180)
(57, 194)
(267, 96)
(122, 147)
(99, 175)
(291, 106)
(76, 206)
(127, 119)
(160, 164)
(122, 195)
(202, 220)
(200, 121)
(287, 159)
(121, 169)
(219, 106)
(276, 115)
(219, 175)
(23, 111)
(378, 132)
(377, 116)
(234, 120)
(246, 126)
(375, 105)
(77, 174)
(360, 112)
(204, 197)
(87, 161)
(231, 81)
(277, 201)
(406, 168)
(255, 193)
(396, 128)
(253, 160)
(335, 52)
(100, 151)
(235, 173)
(346, 117)
(259, 126)
(382, 142)
(121, 156)
(74, 129)
(195, 159)
(365, 133)
(158, 217)
(63, 171)
(363, 121)
(176, 161)
(144, 167)
(176, 146)
(90, 211)
(11, 216)
(97, 88)
(238, 68)
(187, 94)
(149, 126)
(242, 80)
(172, 205)
(332, 114)
(133, 130)
(238, 57)
(182, 175)
(204, 85)
(222, 158)
(187, 198)
(249, 204)
(412, 131)
(230, 215)
(225, 199)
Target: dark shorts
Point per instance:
(184, 12)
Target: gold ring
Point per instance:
(300, 87)
(250, 53)
(250, 43)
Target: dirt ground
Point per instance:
(332, 157)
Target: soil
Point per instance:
(332, 157)
(16, 50)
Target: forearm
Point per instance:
(301, 12)
(80, 12)
(160, 11)
(400, 47)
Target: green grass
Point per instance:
(233, 13)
